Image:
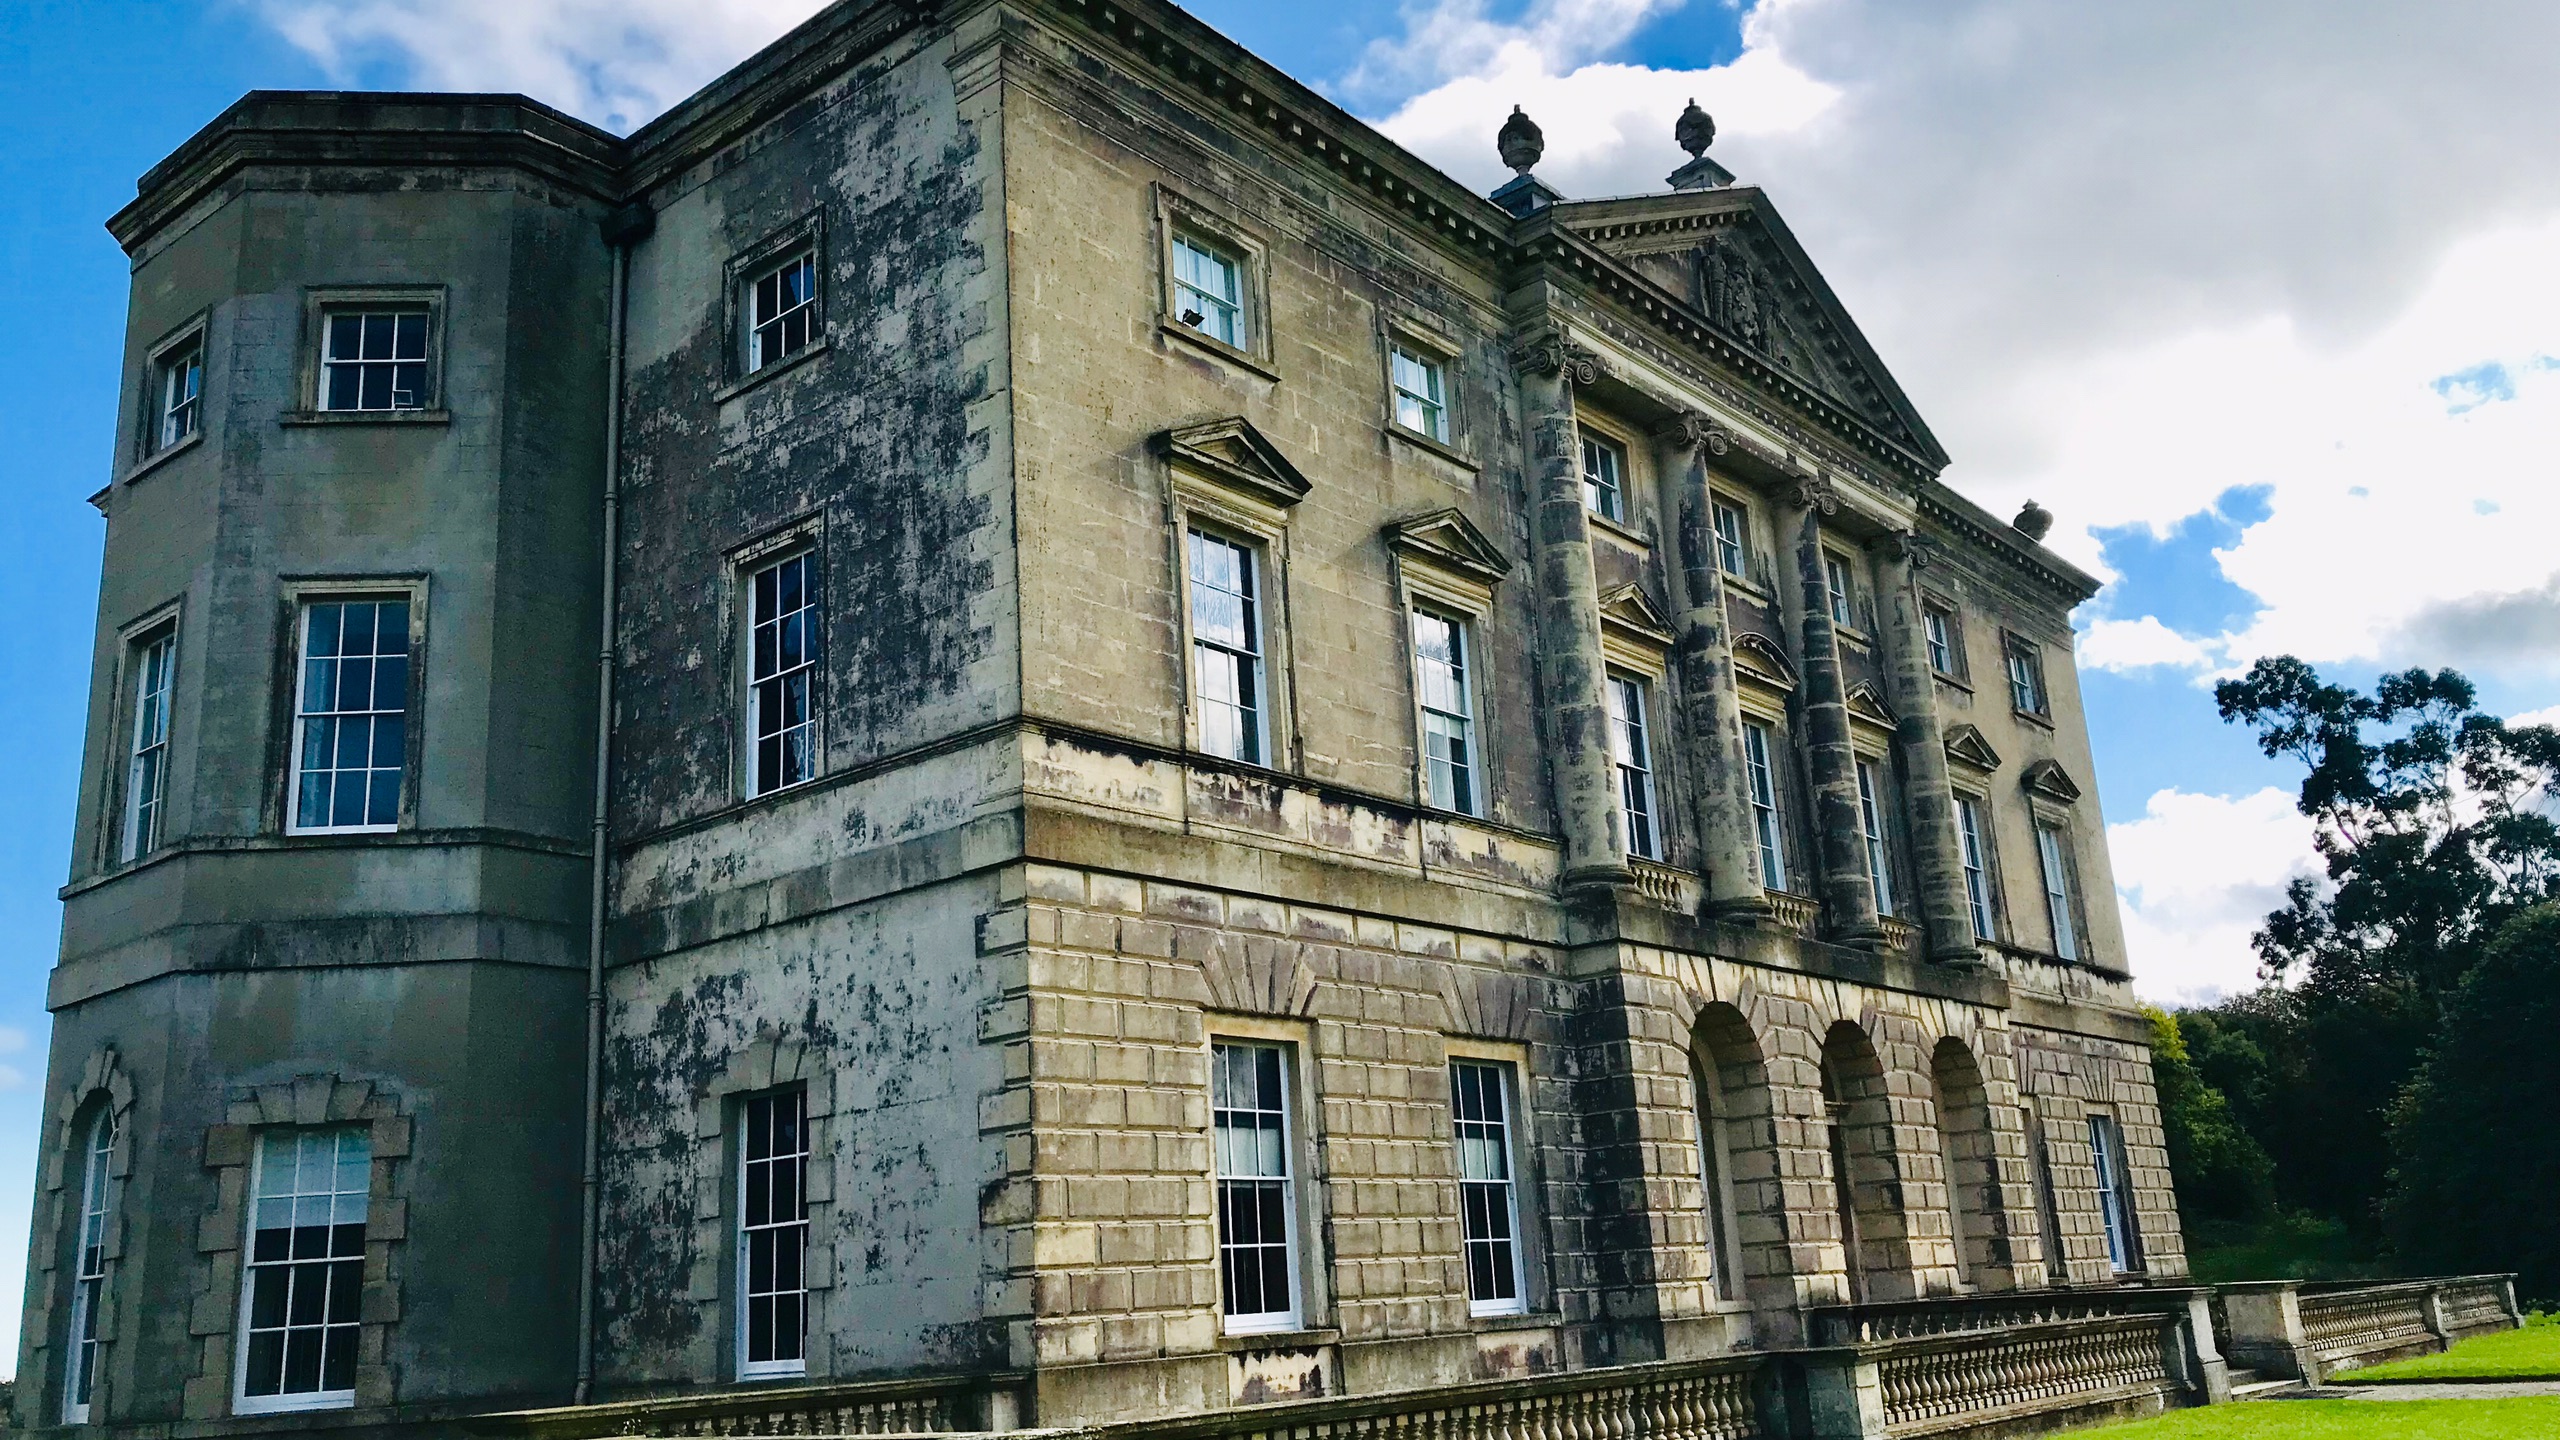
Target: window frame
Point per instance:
(189, 343)
(2061, 894)
(1591, 441)
(1767, 794)
(2117, 1215)
(283, 1402)
(1631, 756)
(299, 597)
(1179, 218)
(1462, 628)
(752, 323)
(92, 1248)
(138, 835)
(743, 1230)
(322, 304)
(1507, 1066)
(738, 277)
(801, 542)
(1840, 590)
(1871, 816)
(1733, 552)
(2022, 670)
(1973, 856)
(1197, 532)
(1296, 1225)
(1439, 362)
(1942, 637)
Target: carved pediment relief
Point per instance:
(1966, 747)
(1757, 657)
(1867, 703)
(1447, 540)
(1232, 453)
(2048, 779)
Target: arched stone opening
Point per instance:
(1866, 1169)
(1967, 1142)
(1747, 1225)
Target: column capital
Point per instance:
(1813, 492)
(1554, 352)
(1696, 434)
(1914, 549)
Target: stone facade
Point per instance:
(988, 943)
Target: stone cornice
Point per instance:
(372, 131)
(2056, 575)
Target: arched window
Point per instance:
(89, 1274)
(1738, 1162)
(1866, 1171)
(1973, 1183)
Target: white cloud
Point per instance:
(2194, 877)
(2140, 645)
(613, 62)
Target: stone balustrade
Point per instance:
(1680, 1400)
(939, 1404)
(2310, 1331)
(2476, 1305)
(2120, 1364)
(1797, 913)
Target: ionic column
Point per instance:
(1839, 832)
(1937, 848)
(1571, 673)
(1710, 703)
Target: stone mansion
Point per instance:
(1008, 698)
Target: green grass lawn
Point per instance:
(2536, 1419)
(2533, 1350)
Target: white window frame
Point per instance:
(1428, 404)
(1189, 297)
(2056, 865)
(306, 604)
(1975, 852)
(1938, 631)
(2115, 1194)
(154, 668)
(338, 1200)
(1871, 820)
(801, 308)
(177, 374)
(1631, 754)
(1465, 793)
(1768, 814)
(2024, 665)
(765, 689)
(1247, 652)
(1604, 475)
(1732, 525)
(787, 1234)
(1227, 1168)
(390, 312)
(1504, 1133)
(1836, 584)
(89, 1268)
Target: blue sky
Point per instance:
(2279, 410)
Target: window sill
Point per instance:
(1235, 1340)
(160, 457)
(1951, 681)
(1852, 635)
(1217, 348)
(783, 366)
(288, 1404)
(2033, 717)
(1618, 529)
(341, 832)
(1517, 1321)
(1751, 589)
(1440, 448)
(365, 417)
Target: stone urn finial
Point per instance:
(2034, 521)
(1696, 130)
(1521, 141)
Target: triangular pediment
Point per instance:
(1966, 747)
(2049, 779)
(1867, 702)
(1629, 609)
(1233, 453)
(1726, 253)
(1757, 657)
(1448, 540)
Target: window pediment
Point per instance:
(1233, 454)
(2048, 779)
(1446, 540)
(1867, 703)
(1757, 657)
(1633, 631)
(1966, 747)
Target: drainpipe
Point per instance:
(623, 229)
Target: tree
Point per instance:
(2426, 814)
(2479, 1157)
(2223, 1173)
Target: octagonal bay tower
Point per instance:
(1228, 770)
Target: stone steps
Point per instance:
(2250, 1385)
